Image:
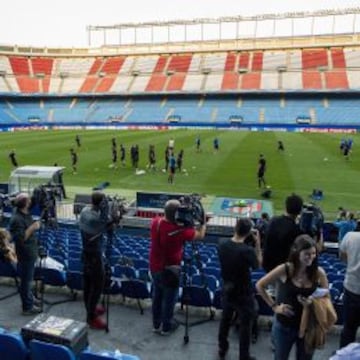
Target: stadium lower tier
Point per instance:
(248, 109)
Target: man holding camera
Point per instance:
(93, 223)
(166, 251)
(237, 258)
(23, 231)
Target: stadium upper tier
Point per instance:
(324, 69)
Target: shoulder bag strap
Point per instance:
(287, 271)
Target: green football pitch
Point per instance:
(309, 161)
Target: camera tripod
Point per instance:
(188, 293)
(47, 276)
(108, 290)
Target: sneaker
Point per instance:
(156, 330)
(37, 302)
(100, 310)
(173, 327)
(98, 323)
(33, 311)
(223, 349)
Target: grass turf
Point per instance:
(309, 161)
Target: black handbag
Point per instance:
(170, 276)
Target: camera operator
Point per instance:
(93, 223)
(22, 229)
(167, 240)
(237, 258)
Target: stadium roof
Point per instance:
(289, 24)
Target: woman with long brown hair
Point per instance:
(297, 280)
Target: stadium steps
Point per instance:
(312, 113)
(163, 102)
(203, 82)
(131, 83)
(51, 115)
(326, 102)
(214, 114)
(169, 113)
(73, 103)
(7, 84)
(8, 112)
(127, 114)
(61, 85)
(262, 116)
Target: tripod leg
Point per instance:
(186, 335)
(107, 312)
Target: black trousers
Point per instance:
(94, 277)
(245, 309)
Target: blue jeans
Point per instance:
(284, 338)
(26, 270)
(163, 303)
(351, 311)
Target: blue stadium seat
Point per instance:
(106, 355)
(124, 271)
(44, 351)
(204, 280)
(217, 300)
(198, 296)
(135, 289)
(10, 271)
(12, 347)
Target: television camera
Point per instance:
(190, 211)
(6, 201)
(114, 208)
(43, 201)
(311, 220)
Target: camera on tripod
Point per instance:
(44, 199)
(114, 207)
(190, 212)
(311, 219)
(7, 201)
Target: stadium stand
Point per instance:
(269, 109)
(332, 68)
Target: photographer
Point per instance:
(23, 229)
(93, 222)
(167, 240)
(236, 261)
